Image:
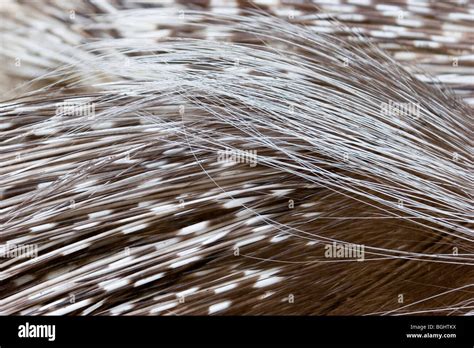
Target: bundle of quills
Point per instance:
(236, 157)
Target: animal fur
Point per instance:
(110, 158)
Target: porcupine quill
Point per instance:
(196, 160)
